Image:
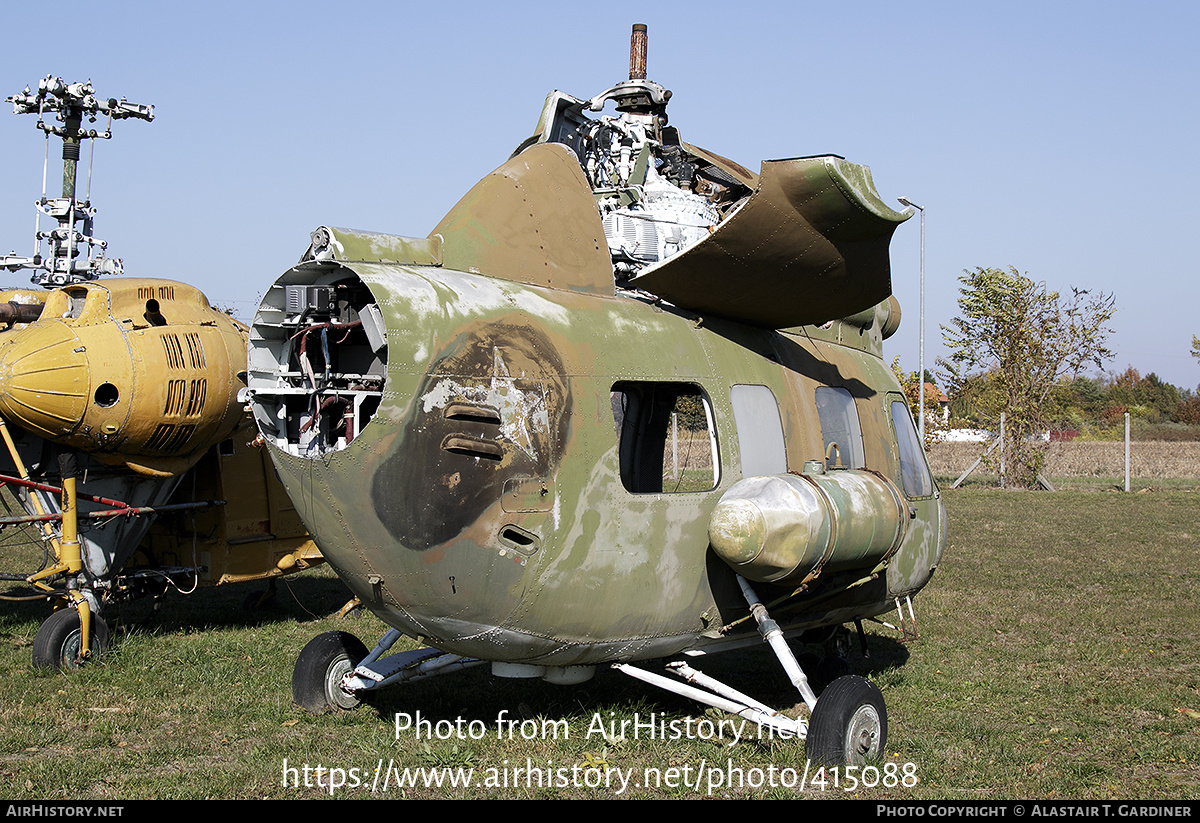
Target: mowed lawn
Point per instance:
(1058, 657)
(1060, 653)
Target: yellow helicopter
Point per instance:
(125, 440)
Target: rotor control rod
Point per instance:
(70, 103)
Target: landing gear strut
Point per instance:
(335, 669)
(847, 724)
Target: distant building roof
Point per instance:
(936, 393)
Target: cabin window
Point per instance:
(759, 431)
(840, 426)
(914, 470)
(667, 442)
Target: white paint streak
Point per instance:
(523, 413)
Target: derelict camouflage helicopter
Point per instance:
(476, 426)
(116, 392)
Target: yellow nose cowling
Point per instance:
(44, 379)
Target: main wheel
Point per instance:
(59, 642)
(829, 669)
(848, 727)
(257, 600)
(317, 678)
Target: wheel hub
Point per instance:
(862, 738)
(336, 695)
(72, 648)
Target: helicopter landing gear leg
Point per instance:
(353, 606)
(862, 638)
(773, 635)
(721, 696)
(846, 726)
(335, 670)
(715, 693)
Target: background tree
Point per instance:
(1189, 408)
(936, 424)
(1025, 338)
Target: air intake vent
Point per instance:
(176, 395)
(473, 447)
(174, 351)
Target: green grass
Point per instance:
(1058, 658)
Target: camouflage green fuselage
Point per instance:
(495, 502)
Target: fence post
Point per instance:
(675, 445)
(1003, 449)
(1126, 451)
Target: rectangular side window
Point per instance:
(914, 470)
(667, 440)
(759, 431)
(840, 426)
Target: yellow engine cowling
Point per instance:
(133, 371)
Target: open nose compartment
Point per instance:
(317, 359)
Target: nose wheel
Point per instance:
(59, 642)
(317, 677)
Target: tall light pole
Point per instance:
(921, 375)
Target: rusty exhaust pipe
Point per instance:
(637, 52)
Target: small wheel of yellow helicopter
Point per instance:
(59, 642)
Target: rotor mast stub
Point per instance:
(637, 52)
(637, 95)
(70, 102)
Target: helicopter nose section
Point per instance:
(44, 379)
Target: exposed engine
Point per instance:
(326, 352)
(656, 198)
(644, 193)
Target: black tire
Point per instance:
(829, 669)
(59, 641)
(848, 727)
(317, 677)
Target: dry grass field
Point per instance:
(1150, 461)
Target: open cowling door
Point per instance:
(808, 246)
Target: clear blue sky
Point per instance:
(1056, 137)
